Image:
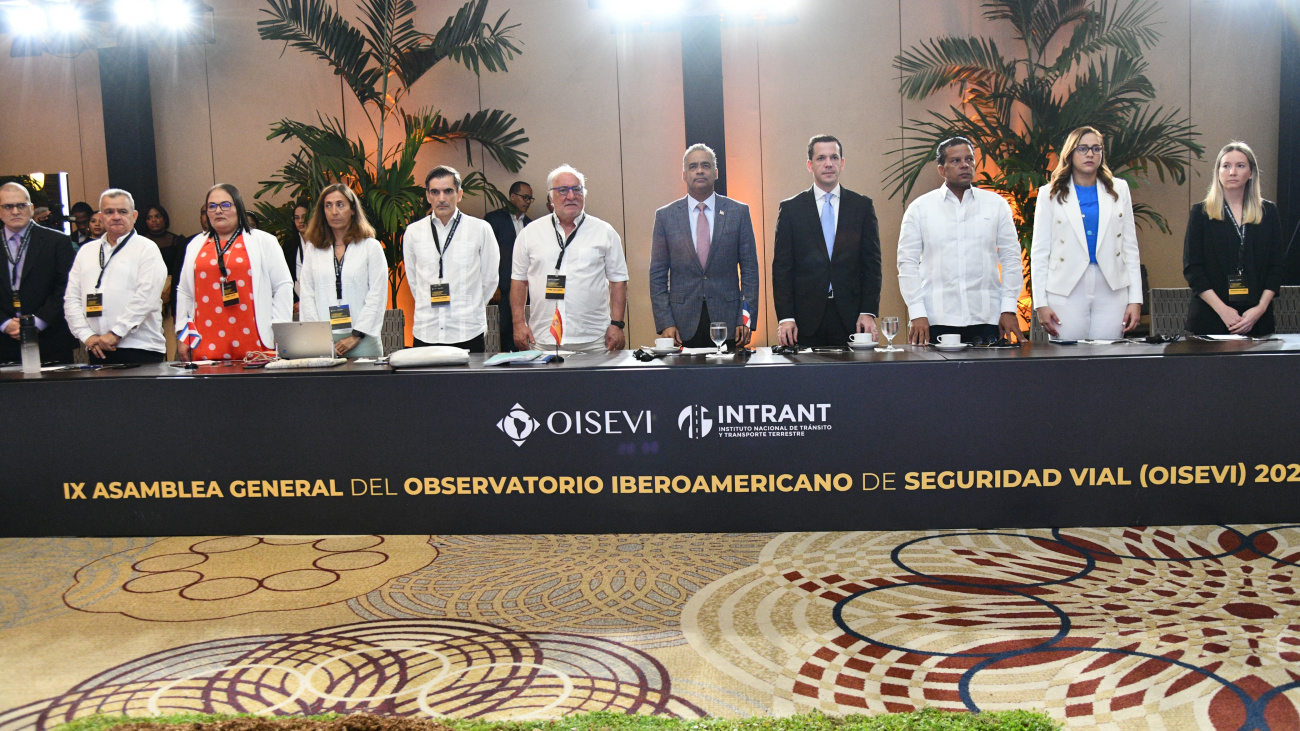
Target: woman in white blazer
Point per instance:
(344, 278)
(233, 285)
(1087, 281)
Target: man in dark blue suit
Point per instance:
(703, 259)
(506, 224)
(36, 263)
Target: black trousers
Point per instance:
(506, 318)
(969, 334)
(830, 333)
(129, 355)
(473, 345)
(701, 337)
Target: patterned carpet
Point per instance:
(1137, 628)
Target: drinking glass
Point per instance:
(718, 334)
(889, 328)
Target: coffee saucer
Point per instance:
(665, 351)
(952, 348)
(863, 346)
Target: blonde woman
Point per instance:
(1084, 259)
(1234, 253)
(344, 278)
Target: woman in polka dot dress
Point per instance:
(233, 285)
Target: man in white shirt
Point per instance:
(952, 242)
(451, 266)
(113, 300)
(573, 262)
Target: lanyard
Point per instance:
(441, 247)
(564, 242)
(338, 272)
(221, 253)
(103, 263)
(15, 276)
(1241, 235)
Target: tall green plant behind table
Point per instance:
(1018, 110)
(379, 62)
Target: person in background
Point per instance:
(959, 265)
(203, 217)
(233, 285)
(1234, 253)
(96, 226)
(344, 274)
(157, 228)
(252, 219)
(81, 213)
(452, 266)
(295, 243)
(506, 224)
(36, 263)
(571, 262)
(1084, 266)
(112, 300)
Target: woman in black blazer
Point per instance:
(1234, 256)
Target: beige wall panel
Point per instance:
(182, 136)
(745, 179)
(53, 113)
(820, 74)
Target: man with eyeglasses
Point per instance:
(958, 256)
(111, 303)
(452, 266)
(703, 259)
(506, 223)
(36, 264)
(573, 263)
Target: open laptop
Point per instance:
(303, 340)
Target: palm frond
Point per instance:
(390, 29)
(940, 62)
(466, 39)
(1049, 17)
(1019, 13)
(1155, 139)
(314, 27)
(1129, 30)
(492, 129)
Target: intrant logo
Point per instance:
(518, 425)
(695, 421)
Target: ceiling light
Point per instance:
(175, 15)
(26, 20)
(135, 12)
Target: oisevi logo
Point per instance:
(695, 421)
(518, 425)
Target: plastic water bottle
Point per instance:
(30, 349)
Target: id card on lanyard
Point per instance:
(229, 290)
(555, 282)
(1238, 291)
(440, 293)
(14, 262)
(95, 300)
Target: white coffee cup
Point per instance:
(664, 343)
(862, 339)
(950, 339)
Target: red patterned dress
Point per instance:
(228, 332)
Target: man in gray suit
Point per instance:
(704, 244)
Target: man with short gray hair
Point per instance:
(703, 260)
(113, 303)
(36, 263)
(570, 262)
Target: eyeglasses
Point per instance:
(15, 207)
(530, 199)
(565, 190)
(223, 206)
(1090, 149)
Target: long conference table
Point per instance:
(1039, 435)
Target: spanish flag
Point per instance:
(557, 326)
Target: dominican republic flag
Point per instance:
(557, 326)
(190, 336)
(744, 315)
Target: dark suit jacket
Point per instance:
(505, 233)
(1210, 256)
(44, 278)
(731, 273)
(802, 272)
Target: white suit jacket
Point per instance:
(1059, 254)
(272, 283)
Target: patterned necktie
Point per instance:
(828, 224)
(702, 235)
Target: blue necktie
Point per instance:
(828, 224)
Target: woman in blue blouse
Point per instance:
(1086, 277)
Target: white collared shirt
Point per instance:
(470, 266)
(365, 285)
(591, 262)
(949, 253)
(132, 292)
(518, 222)
(820, 196)
(693, 215)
